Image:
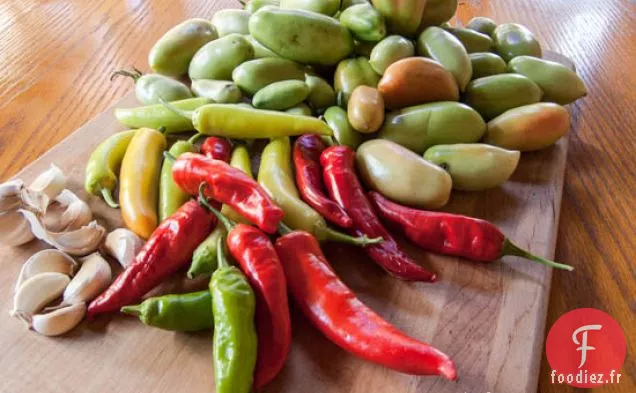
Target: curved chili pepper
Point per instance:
(257, 258)
(168, 249)
(235, 341)
(307, 151)
(217, 148)
(336, 311)
(276, 176)
(453, 234)
(103, 166)
(227, 185)
(339, 174)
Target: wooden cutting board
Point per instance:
(489, 318)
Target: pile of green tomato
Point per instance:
(428, 107)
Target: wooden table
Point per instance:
(57, 56)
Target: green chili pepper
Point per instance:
(157, 116)
(171, 197)
(188, 312)
(240, 159)
(103, 166)
(239, 122)
(276, 177)
(235, 342)
(204, 259)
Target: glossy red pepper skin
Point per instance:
(227, 185)
(307, 151)
(256, 256)
(339, 175)
(335, 310)
(168, 249)
(217, 148)
(443, 233)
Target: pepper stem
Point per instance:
(220, 253)
(361, 241)
(168, 156)
(510, 248)
(203, 200)
(135, 74)
(284, 229)
(132, 310)
(108, 198)
(195, 138)
(175, 110)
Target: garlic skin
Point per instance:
(46, 261)
(80, 241)
(59, 321)
(123, 244)
(10, 195)
(37, 292)
(67, 212)
(90, 281)
(50, 182)
(15, 229)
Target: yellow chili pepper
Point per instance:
(139, 181)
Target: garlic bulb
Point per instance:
(50, 182)
(37, 292)
(59, 321)
(46, 261)
(80, 241)
(14, 229)
(123, 244)
(91, 280)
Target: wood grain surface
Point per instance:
(56, 57)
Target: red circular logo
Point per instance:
(586, 348)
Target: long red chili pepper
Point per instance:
(227, 185)
(217, 148)
(307, 151)
(452, 234)
(339, 174)
(255, 254)
(336, 311)
(168, 249)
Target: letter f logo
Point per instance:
(583, 344)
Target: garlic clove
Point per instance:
(67, 212)
(123, 244)
(80, 241)
(10, 195)
(37, 292)
(90, 281)
(50, 182)
(46, 261)
(14, 229)
(59, 321)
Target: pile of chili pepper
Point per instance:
(299, 187)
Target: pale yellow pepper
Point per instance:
(139, 181)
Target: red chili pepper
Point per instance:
(217, 148)
(307, 151)
(255, 254)
(227, 185)
(168, 249)
(339, 174)
(452, 234)
(336, 311)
